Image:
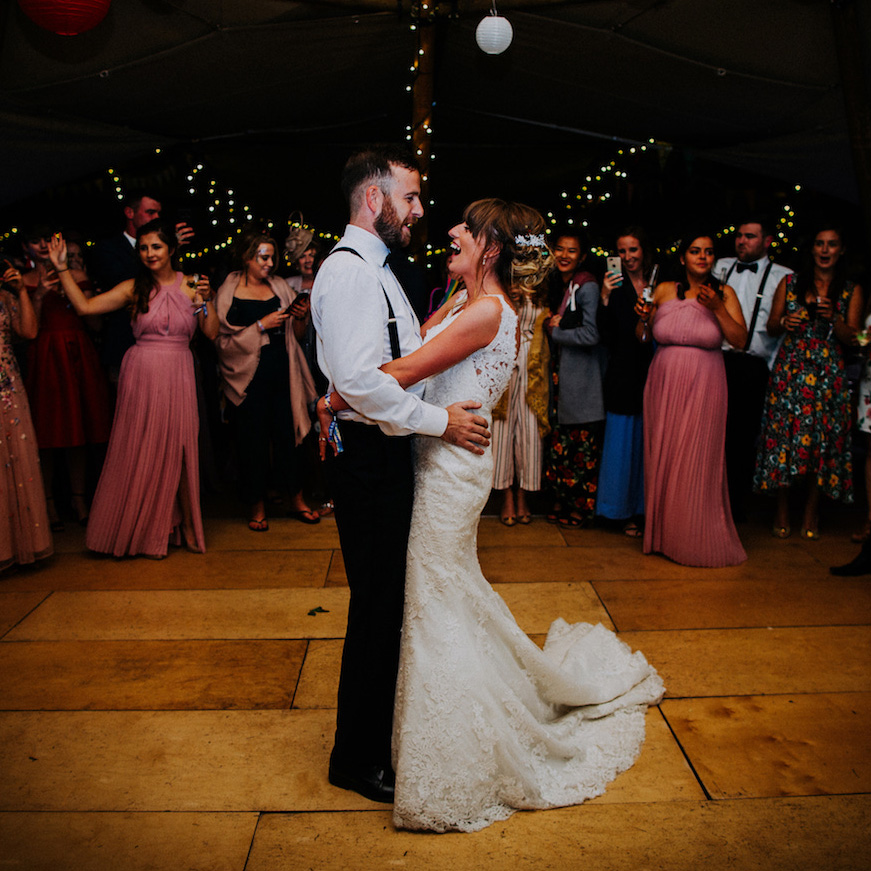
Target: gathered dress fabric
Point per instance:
(485, 722)
(808, 415)
(688, 517)
(69, 393)
(25, 535)
(154, 436)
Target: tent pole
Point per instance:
(848, 47)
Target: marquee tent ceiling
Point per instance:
(746, 83)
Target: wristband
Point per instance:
(260, 326)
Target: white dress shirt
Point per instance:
(746, 286)
(350, 315)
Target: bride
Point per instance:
(485, 722)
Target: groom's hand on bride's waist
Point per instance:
(466, 429)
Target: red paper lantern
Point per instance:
(65, 17)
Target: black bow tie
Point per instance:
(753, 267)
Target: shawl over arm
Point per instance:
(239, 353)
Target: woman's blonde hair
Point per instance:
(524, 258)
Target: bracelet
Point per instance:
(63, 270)
(260, 326)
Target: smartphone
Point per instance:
(614, 266)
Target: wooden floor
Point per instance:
(178, 714)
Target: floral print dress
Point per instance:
(807, 419)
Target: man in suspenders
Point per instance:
(754, 277)
(363, 319)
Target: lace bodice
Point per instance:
(484, 375)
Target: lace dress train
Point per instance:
(485, 721)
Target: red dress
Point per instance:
(69, 395)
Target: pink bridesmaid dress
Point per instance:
(136, 508)
(688, 516)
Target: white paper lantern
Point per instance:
(494, 34)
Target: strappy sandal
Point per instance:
(261, 525)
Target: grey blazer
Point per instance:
(581, 363)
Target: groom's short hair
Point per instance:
(373, 165)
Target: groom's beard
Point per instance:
(390, 228)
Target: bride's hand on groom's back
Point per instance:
(466, 429)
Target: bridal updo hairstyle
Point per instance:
(145, 283)
(524, 259)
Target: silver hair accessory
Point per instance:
(531, 241)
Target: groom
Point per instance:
(363, 319)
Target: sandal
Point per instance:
(809, 534)
(781, 531)
(261, 525)
(525, 519)
(554, 514)
(507, 519)
(326, 509)
(305, 515)
(633, 530)
(572, 521)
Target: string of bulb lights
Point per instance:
(493, 35)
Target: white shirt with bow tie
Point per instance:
(746, 286)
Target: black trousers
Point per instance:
(372, 485)
(747, 383)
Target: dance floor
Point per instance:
(178, 714)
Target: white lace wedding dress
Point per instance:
(486, 722)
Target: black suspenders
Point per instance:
(755, 316)
(392, 329)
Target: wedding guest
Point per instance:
(265, 377)
(115, 260)
(24, 527)
(149, 489)
(808, 415)
(574, 445)
(520, 418)
(69, 395)
(621, 475)
(754, 278)
(688, 518)
(863, 421)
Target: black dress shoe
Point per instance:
(859, 566)
(372, 781)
